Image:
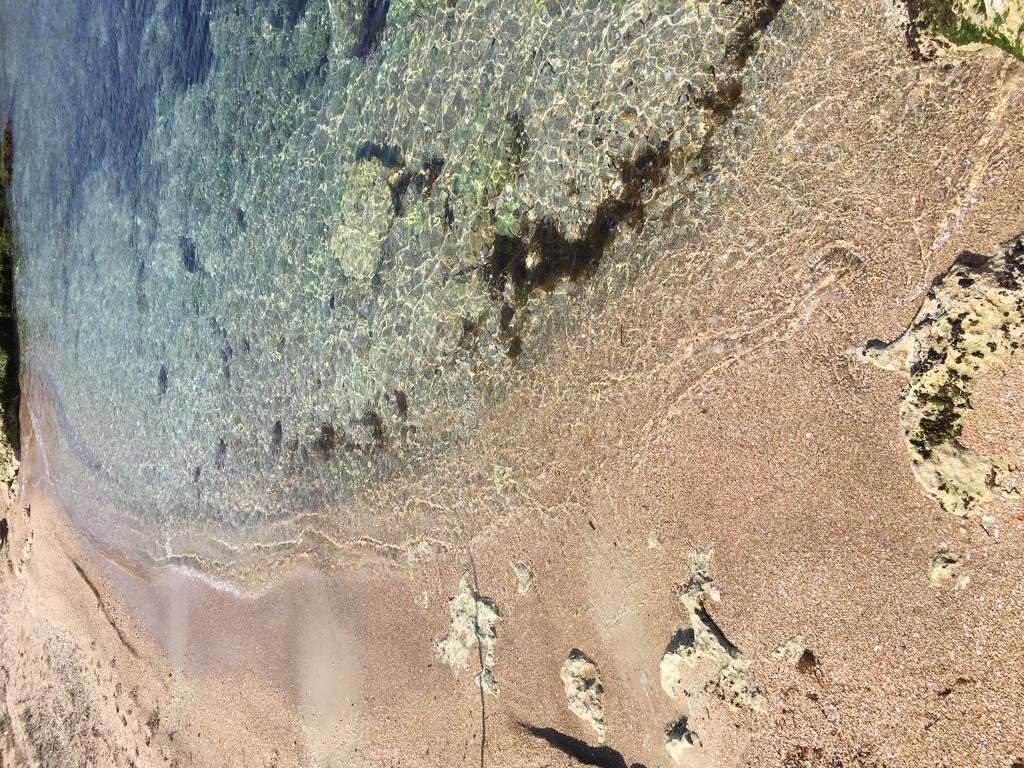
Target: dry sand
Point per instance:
(717, 403)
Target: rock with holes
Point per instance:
(946, 568)
(470, 641)
(705, 642)
(584, 691)
(973, 318)
(679, 739)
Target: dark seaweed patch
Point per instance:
(276, 436)
(519, 142)
(226, 354)
(449, 214)
(388, 155)
(721, 100)
(371, 27)
(557, 256)
(191, 55)
(748, 35)
(401, 403)
(525, 263)
(378, 433)
(326, 440)
(508, 264)
(505, 316)
(421, 181)
(515, 347)
(189, 256)
(286, 12)
(312, 75)
(505, 327)
(140, 286)
(916, 25)
(295, 10)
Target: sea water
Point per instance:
(274, 252)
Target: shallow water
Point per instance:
(272, 253)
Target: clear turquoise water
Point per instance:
(259, 242)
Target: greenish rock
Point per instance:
(937, 24)
(971, 320)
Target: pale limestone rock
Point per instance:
(704, 641)
(584, 691)
(473, 630)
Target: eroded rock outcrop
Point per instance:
(584, 691)
(705, 641)
(679, 738)
(472, 634)
(972, 318)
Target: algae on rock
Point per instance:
(971, 319)
(971, 24)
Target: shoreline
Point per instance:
(708, 456)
